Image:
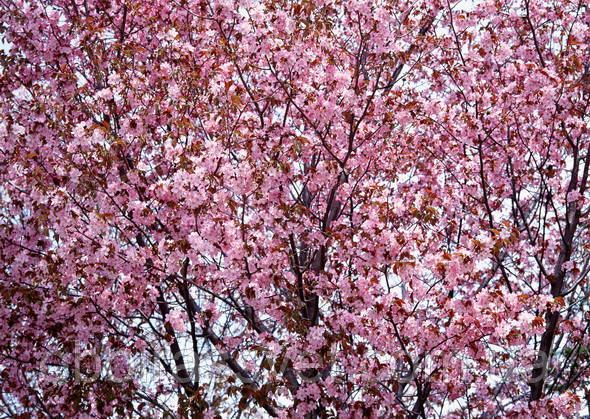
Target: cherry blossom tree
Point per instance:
(271, 208)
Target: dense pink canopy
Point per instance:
(294, 208)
